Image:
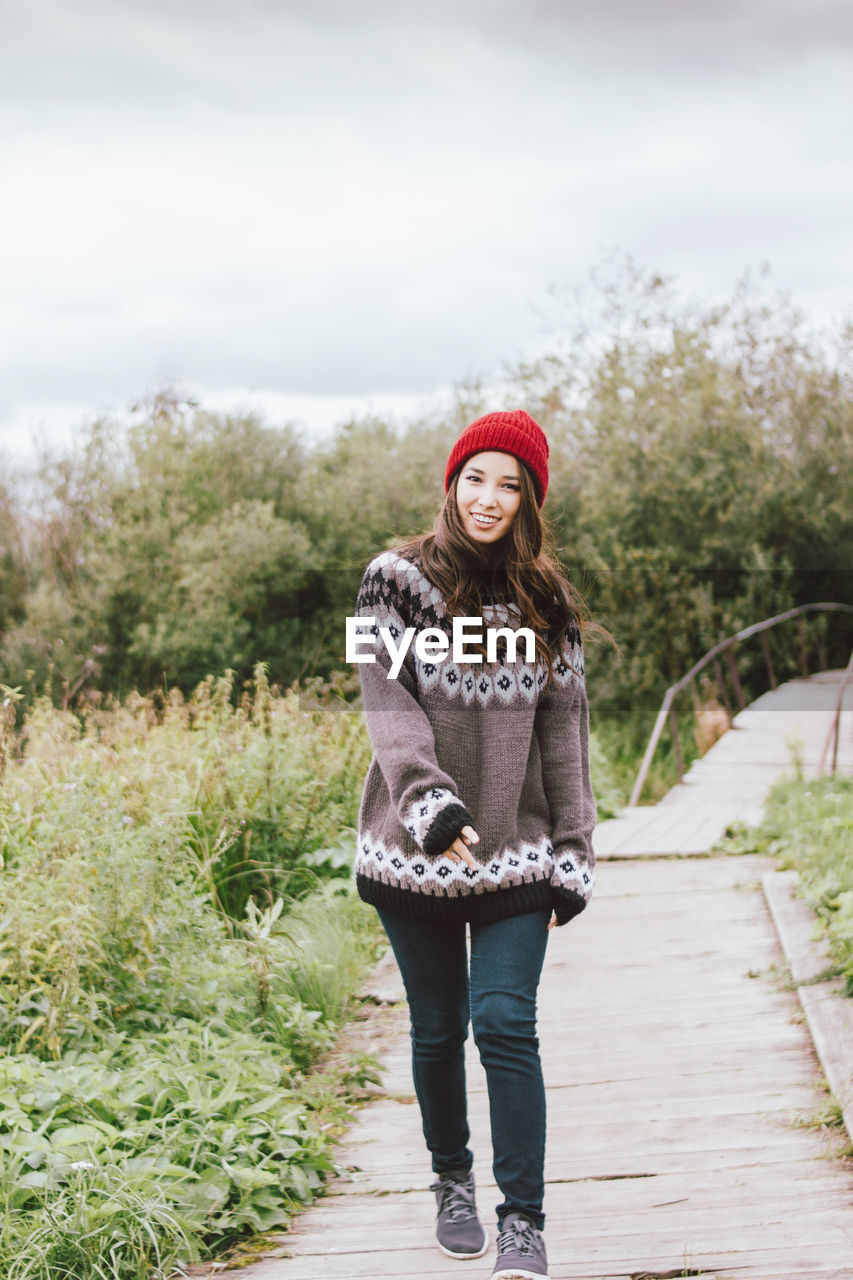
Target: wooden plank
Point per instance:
(640, 1201)
(830, 1018)
(583, 1258)
(806, 950)
(370, 1168)
(828, 1012)
(645, 835)
(761, 1160)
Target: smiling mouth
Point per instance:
(485, 521)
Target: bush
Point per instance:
(160, 1012)
(701, 455)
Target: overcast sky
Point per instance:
(322, 206)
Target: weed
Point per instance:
(166, 988)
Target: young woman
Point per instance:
(477, 812)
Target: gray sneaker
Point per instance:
(458, 1229)
(521, 1251)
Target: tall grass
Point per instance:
(166, 985)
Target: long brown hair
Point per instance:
(520, 569)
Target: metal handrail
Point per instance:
(724, 646)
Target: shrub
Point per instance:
(159, 1012)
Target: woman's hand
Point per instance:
(553, 921)
(458, 851)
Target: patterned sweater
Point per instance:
(490, 744)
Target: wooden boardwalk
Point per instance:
(730, 783)
(680, 1072)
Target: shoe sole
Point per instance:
(515, 1274)
(461, 1257)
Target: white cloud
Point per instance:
(333, 201)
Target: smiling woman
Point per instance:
(477, 811)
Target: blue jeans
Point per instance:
(500, 998)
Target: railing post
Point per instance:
(650, 749)
(765, 644)
(804, 663)
(724, 693)
(736, 684)
(835, 727)
(674, 726)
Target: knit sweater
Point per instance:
(493, 744)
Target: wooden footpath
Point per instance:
(682, 1078)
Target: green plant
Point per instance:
(329, 933)
(702, 462)
(808, 825)
(158, 1095)
(8, 701)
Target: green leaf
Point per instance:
(80, 1135)
(269, 1104)
(248, 1179)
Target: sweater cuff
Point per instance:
(424, 810)
(567, 905)
(444, 829)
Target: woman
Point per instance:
(477, 810)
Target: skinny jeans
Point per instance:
(498, 994)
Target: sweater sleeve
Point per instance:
(424, 796)
(562, 729)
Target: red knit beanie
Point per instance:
(512, 432)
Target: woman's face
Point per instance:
(488, 495)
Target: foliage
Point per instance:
(702, 478)
(146, 1149)
(808, 825)
(171, 549)
(707, 456)
(250, 792)
(156, 1099)
(13, 578)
